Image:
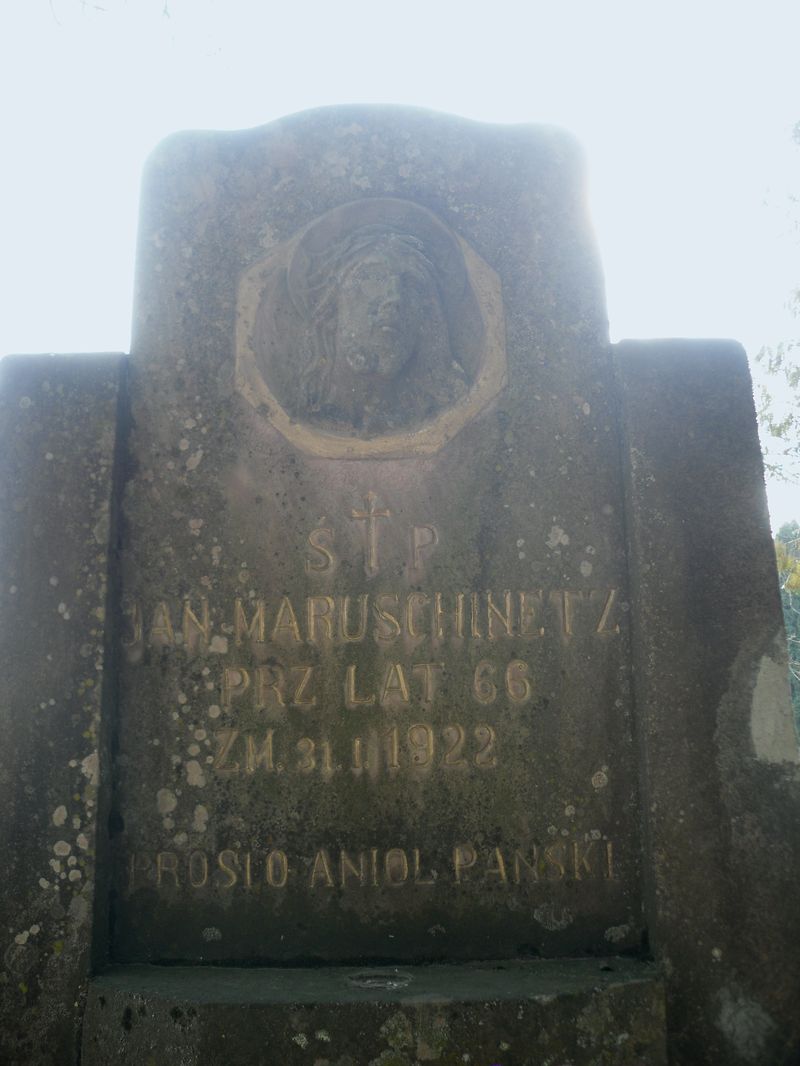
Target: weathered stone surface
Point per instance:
(579, 1012)
(719, 762)
(376, 702)
(447, 633)
(58, 419)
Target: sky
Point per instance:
(685, 111)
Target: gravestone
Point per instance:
(374, 699)
(444, 706)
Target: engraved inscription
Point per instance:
(468, 865)
(370, 516)
(423, 540)
(361, 673)
(277, 685)
(381, 617)
(516, 682)
(419, 746)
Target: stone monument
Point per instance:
(394, 667)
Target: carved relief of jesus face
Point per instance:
(383, 302)
(375, 327)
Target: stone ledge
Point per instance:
(506, 1013)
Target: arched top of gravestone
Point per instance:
(484, 228)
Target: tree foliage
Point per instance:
(779, 415)
(780, 420)
(787, 554)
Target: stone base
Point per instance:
(608, 1011)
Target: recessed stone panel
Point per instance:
(375, 701)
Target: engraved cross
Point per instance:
(371, 516)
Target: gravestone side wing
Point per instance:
(719, 756)
(59, 458)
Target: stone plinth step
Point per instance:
(579, 1011)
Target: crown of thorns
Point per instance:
(327, 269)
(334, 243)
